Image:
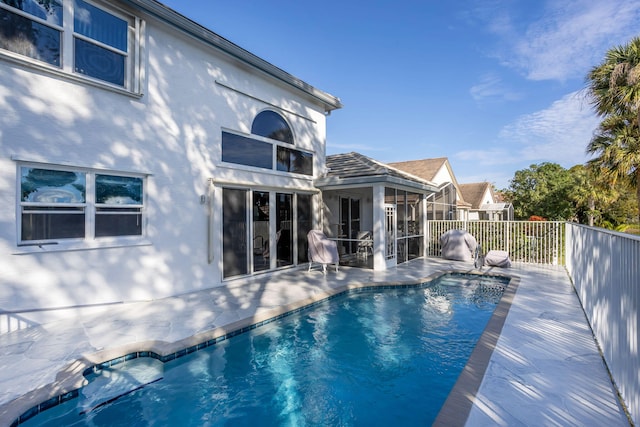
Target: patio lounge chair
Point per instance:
(458, 245)
(322, 250)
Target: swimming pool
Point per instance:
(364, 358)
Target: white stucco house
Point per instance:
(144, 156)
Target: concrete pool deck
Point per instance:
(546, 368)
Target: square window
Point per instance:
(54, 204)
(98, 40)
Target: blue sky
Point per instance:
(495, 86)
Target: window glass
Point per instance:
(49, 222)
(272, 125)
(118, 221)
(100, 25)
(296, 161)
(304, 217)
(50, 200)
(29, 38)
(52, 186)
(246, 151)
(284, 234)
(118, 190)
(261, 249)
(48, 10)
(234, 232)
(98, 62)
(91, 59)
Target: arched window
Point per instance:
(272, 125)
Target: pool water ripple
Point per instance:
(368, 358)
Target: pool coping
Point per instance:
(457, 406)
(71, 379)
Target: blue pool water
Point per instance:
(362, 359)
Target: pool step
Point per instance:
(109, 384)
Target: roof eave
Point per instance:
(334, 183)
(207, 36)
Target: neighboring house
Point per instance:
(484, 203)
(143, 156)
(448, 203)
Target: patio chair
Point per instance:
(458, 245)
(365, 243)
(322, 250)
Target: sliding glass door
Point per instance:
(263, 230)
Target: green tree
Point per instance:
(614, 91)
(542, 190)
(598, 201)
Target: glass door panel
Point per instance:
(284, 229)
(260, 223)
(234, 232)
(303, 217)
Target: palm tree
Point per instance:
(616, 143)
(614, 91)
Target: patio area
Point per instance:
(545, 369)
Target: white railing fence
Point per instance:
(539, 242)
(605, 269)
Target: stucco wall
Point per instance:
(173, 132)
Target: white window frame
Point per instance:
(133, 72)
(274, 155)
(90, 241)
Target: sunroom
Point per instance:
(375, 213)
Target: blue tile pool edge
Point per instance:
(422, 283)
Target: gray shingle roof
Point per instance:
(353, 165)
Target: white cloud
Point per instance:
(488, 156)
(569, 38)
(491, 87)
(557, 134)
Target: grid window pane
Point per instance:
(50, 10)
(296, 161)
(118, 222)
(52, 223)
(98, 62)
(99, 25)
(29, 38)
(49, 186)
(118, 190)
